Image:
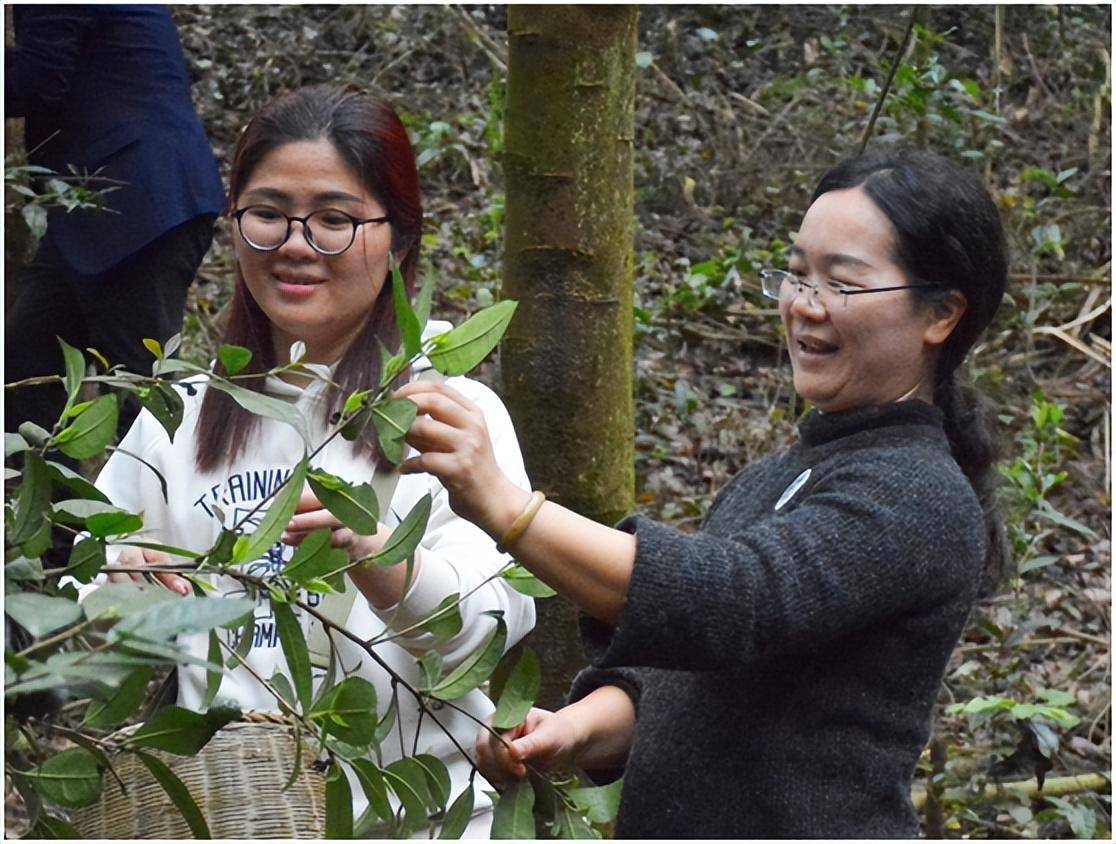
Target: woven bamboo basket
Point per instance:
(237, 781)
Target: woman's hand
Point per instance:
(547, 740)
(594, 732)
(456, 448)
(132, 556)
(383, 587)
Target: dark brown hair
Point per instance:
(371, 139)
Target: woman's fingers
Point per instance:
(428, 434)
(139, 557)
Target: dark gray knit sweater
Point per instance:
(784, 662)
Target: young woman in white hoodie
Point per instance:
(323, 191)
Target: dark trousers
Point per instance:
(142, 296)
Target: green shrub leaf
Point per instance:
(72, 778)
(91, 431)
(248, 548)
(233, 358)
(476, 668)
(355, 506)
(459, 350)
(315, 557)
(293, 643)
(392, 420)
(459, 815)
(445, 621)
(115, 523)
(191, 614)
(406, 536)
(165, 404)
(31, 500)
(264, 405)
(180, 731)
(124, 701)
(512, 817)
(520, 690)
(348, 711)
(40, 614)
(409, 328)
(339, 804)
(521, 580)
(178, 793)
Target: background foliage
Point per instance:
(739, 110)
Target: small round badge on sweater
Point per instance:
(789, 492)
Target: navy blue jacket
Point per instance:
(105, 87)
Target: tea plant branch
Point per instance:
(57, 638)
(887, 85)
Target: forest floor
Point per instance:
(739, 111)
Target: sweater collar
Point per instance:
(818, 428)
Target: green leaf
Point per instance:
(600, 804)
(178, 793)
(520, 691)
(158, 474)
(71, 480)
(406, 536)
(445, 621)
(264, 405)
(244, 644)
(71, 779)
(86, 560)
(293, 643)
(459, 350)
(40, 614)
(430, 665)
(385, 724)
(355, 506)
(437, 781)
(117, 600)
(75, 370)
(124, 701)
(407, 779)
(512, 817)
(38, 543)
(14, 444)
(48, 827)
(191, 614)
(74, 511)
(233, 358)
(114, 523)
(392, 420)
(375, 789)
(155, 347)
(476, 668)
(31, 501)
(409, 328)
(91, 432)
(424, 300)
(338, 804)
(22, 569)
(523, 581)
(248, 548)
(315, 557)
(165, 404)
(180, 731)
(348, 711)
(212, 677)
(459, 815)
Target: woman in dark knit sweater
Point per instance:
(773, 674)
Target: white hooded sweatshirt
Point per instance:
(456, 558)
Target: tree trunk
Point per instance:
(567, 357)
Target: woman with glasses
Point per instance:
(773, 674)
(324, 194)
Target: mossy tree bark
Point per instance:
(567, 357)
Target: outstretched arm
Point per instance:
(589, 563)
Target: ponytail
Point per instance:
(965, 411)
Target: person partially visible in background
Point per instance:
(104, 90)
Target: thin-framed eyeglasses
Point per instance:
(327, 230)
(783, 284)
